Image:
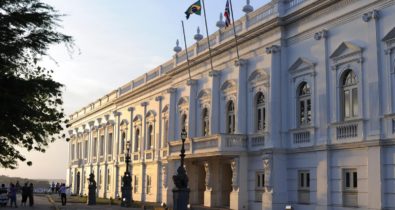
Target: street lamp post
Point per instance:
(181, 191)
(127, 181)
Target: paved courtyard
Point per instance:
(44, 202)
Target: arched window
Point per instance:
(150, 137)
(230, 118)
(205, 122)
(184, 122)
(260, 112)
(165, 132)
(349, 93)
(137, 140)
(123, 139)
(304, 104)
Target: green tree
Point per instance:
(31, 116)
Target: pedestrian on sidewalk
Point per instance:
(62, 191)
(25, 193)
(3, 196)
(30, 194)
(12, 195)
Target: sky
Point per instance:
(115, 42)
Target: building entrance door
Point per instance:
(78, 180)
(226, 184)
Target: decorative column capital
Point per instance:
(273, 49)
(375, 14)
(171, 90)
(241, 62)
(145, 103)
(214, 73)
(116, 113)
(158, 98)
(131, 109)
(321, 34)
(191, 82)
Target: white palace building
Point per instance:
(304, 119)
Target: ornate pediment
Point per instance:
(229, 85)
(390, 36)
(204, 96)
(345, 49)
(301, 64)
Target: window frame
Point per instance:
(305, 116)
(260, 126)
(349, 102)
(205, 122)
(230, 118)
(137, 137)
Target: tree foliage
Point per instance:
(31, 116)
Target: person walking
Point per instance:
(25, 193)
(3, 196)
(12, 195)
(30, 194)
(62, 191)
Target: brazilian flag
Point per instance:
(195, 8)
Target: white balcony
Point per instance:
(214, 144)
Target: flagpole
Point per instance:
(186, 50)
(208, 38)
(234, 30)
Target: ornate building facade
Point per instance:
(305, 118)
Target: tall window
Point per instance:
(259, 185)
(184, 122)
(304, 187)
(86, 149)
(78, 150)
(260, 112)
(109, 144)
(136, 184)
(150, 136)
(101, 145)
(350, 95)
(123, 139)
(230, 118)
(350, 187)
(304, 101)
(205, 122)
(393, 125)
(165, 132)
(137, 140)
(149, 184)
(94, 147)
(72, 151)
(108, 179)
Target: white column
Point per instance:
(241, 109)
(117, 115)
(192, 108)
(172, 113)
(158, 141)
(274, 103)
(215, 96)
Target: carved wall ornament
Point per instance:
(267, 167)
(234, 164)
(164, 176)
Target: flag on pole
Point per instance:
(227, 14)
(195, 8)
